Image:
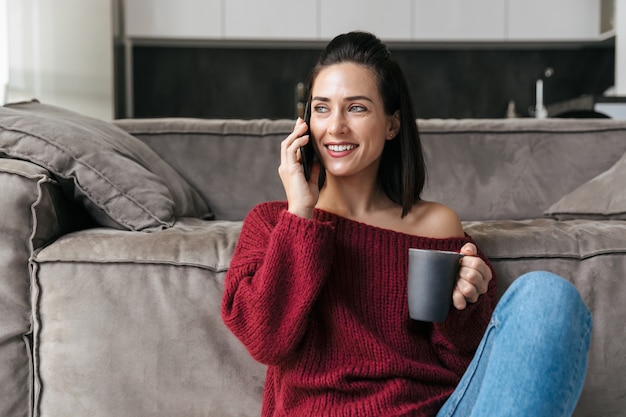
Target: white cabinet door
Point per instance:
(459, 20)
(389, 20)
(168, 19)
(401, 20)
(553, 20)
(270, 19)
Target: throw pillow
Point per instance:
(601, 198)
(119, 179)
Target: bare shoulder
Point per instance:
(435, 220)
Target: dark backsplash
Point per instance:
(237, 82)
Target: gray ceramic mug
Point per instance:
(431, 279)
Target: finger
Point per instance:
(472, 260)
(295, 148)
(474, 264)
(469, 291)
(290, 147)
(297, 153)
(469, 249)
(458, 300)
(300, 128)
(475, 278)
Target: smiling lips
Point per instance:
(341, 148)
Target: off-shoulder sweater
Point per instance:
(323, 303)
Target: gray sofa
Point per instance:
(114, 248)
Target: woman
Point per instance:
(317, 285)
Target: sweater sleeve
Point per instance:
(277, 272)
(457, 338)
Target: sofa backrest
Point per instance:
(232, 163)
(515, 168)
(483, 169)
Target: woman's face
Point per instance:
(348, 120)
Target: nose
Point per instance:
(337, 124)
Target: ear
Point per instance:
(394, 125)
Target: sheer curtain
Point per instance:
(60, 52)
(4, 52)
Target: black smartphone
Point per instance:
(307, 152)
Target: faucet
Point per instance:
(540, 110)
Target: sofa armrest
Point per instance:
(33, 211)
(35, 207)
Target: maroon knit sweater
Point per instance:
(323, 303)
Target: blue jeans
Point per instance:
(532, 360)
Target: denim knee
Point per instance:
(541, 296)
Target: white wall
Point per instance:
(61, 52)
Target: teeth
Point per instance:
(341, 148)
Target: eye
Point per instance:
(320, 109)
(357, 108)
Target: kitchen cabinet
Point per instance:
(554, 20)
(169, 19)
(388, 20)
(427, 21)
(270, 19)
(459, 20)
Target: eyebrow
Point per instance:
(351, 98)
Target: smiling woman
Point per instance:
(317, 287)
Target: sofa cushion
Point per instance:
(591, 254)
(129, 324)
(603, 197)
(120, 180)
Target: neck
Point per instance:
(354, 198)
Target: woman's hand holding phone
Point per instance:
(302, 195)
